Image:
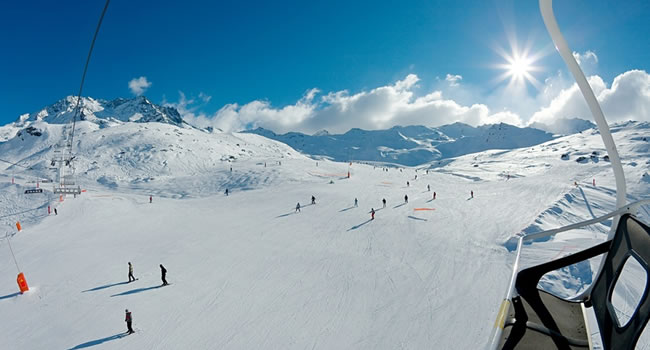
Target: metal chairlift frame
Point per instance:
(623, 211)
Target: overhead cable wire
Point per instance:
(83, 76)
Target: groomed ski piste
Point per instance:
(249, 272)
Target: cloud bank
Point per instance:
(403, 103)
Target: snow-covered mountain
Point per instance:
(410, 145)
(102, 112)
(565, 126)
(139, 153)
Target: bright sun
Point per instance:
(518, 66)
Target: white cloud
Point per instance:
(403, 103)
(139, 85)
(204, 97)
(627, 98)
(588, 61)
(587, 56)
(454, 79)
(338, 111)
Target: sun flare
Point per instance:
(519, 66)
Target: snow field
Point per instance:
(249, 272)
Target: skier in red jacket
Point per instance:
(129, 321)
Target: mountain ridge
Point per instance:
(409, 145)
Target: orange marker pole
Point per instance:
(18, 226)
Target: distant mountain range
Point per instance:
(410, 145)
(405, 145)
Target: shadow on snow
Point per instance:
(361, 224)
(105, 286)
(8, 296)
(99, 341)
(346, 209)
(417, 218)
(138, 290)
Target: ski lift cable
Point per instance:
(12, 252)
(16, 164)
(83, 76)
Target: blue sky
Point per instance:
(238, 64)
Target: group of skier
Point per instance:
(163, 274)
(313, 201)
(129, 318)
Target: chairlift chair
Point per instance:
(537, 319)
(531, 318)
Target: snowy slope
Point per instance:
(248, 272)
(410, 145)
(151, 156)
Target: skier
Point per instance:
(407, 184)
(226, 192)
(593, 182)
(429, 188)
(298, 207)
(416, 177)
(56, 212)
(406, 198)
(49, 210)
(231, 169)
(131, 278)
(372, 213)
(384, 202)
(163, 273)
(471, 193)
(313, 200)
(129, 321)
(150, 199)
(356, 203)
(434, 195)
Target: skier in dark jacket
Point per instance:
(406, 198)
(129, 321)
(163, 274)
(384, 202)
(372, 213)
(313, 200)
(131, 278)
(298, 208)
